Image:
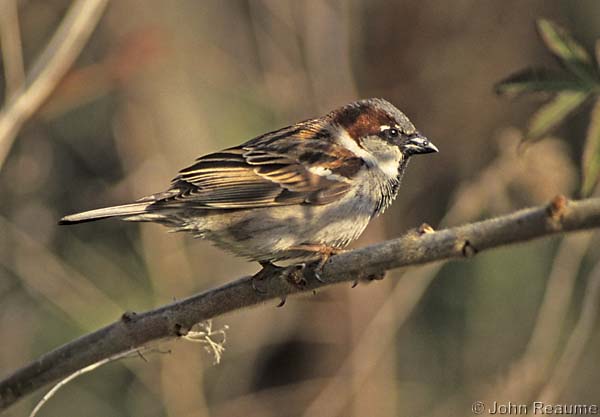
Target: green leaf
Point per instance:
(567, 49)
(555, 111)
(591, 152)
(532, 80)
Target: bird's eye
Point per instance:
(392, 133)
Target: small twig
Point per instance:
(49, 68)
(412, 249)
(65, 381)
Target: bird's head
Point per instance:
(381, 134)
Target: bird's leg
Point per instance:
(324, 252)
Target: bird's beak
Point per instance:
(418, 144)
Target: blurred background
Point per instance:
(160, 83)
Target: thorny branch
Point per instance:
(415, 248)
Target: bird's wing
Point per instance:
(266, 172)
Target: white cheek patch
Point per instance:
(347, 142)
(387, 164)
(390, 165)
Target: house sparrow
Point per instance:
(302, 191)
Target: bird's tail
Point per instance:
(103, 213)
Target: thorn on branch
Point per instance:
(128, 316)
(376, 276)
(424, 228)
(468, 250)
(141, 355)
(557, 209)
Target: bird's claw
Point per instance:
(317, 274)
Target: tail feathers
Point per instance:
(103, 213)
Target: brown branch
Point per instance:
(48, 69)
(415, 248)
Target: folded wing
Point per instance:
(259, 174)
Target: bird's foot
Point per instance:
(323, 252)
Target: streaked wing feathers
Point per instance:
(256, 175)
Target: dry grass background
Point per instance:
(162, 82)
